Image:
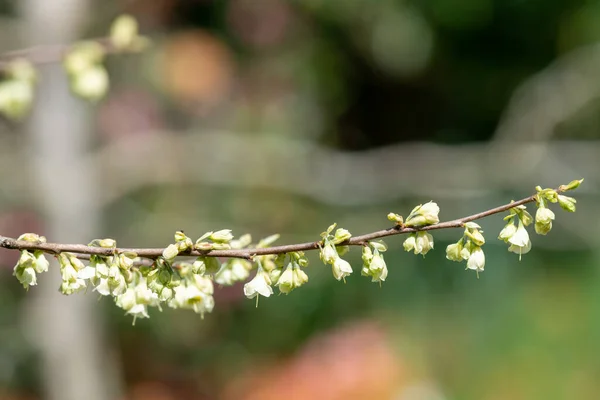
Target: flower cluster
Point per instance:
(422, 215)
(331, 253)
(83, 63)
(469, 248)
(373, 262)
(30, 264)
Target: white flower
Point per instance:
(170, 252)
(329, 254)
(87, 273)
(507, 232)
(420, 242)
(260, 284)
(410, 242)
(341, 269)
(377, 268)
(423, 243)
(453, 252)
(41, 264)
(26, 276)
(543, 220)
(286, 280)
(476, 260)
(519, 242)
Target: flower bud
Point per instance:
(567, 203)
(475, 236)
(572, 185)
(422, 215)
(222, 236)
(123, 32)
(396, 218)
(341, 235)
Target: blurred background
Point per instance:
(274, 116)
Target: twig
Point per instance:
(249, 253)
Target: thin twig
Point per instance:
(249, 253)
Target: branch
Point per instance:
(50, 54)
(153, 253)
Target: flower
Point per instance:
(377, 268)
(410, 242)
(420, 242)
(453, 251)
(260, 284)
(476, 260)
(507, 232)
(328, 253)
(170, 252)
(25, 269)
(234, 270)
(543, 220)
(421, 215)
(195, 294)
(341, 269)
(519, 242)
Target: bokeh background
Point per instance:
(268, 116)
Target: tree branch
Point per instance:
(153, 253)
(50, 54)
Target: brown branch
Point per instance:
(153, 253)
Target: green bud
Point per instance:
(567, 203)
(396, 218)
(572, 185)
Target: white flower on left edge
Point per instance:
(260, 284)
